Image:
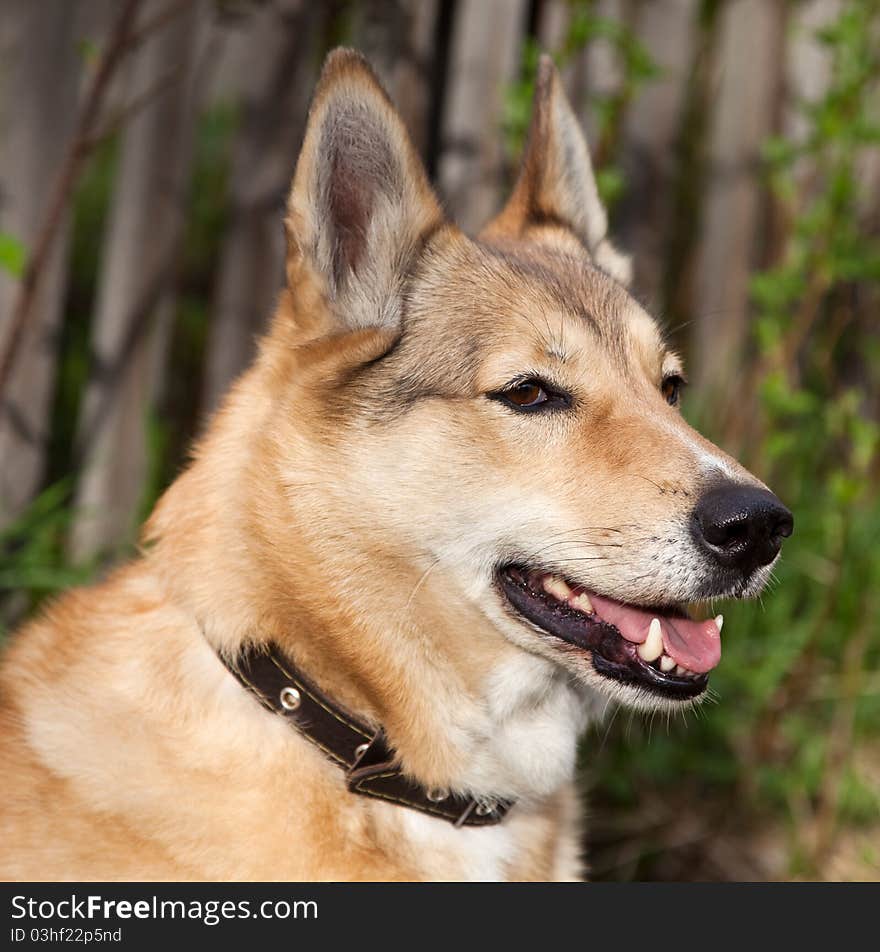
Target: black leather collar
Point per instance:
(369, 763)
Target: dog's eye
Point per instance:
(528, 394)
(671, 387)
(531, 394)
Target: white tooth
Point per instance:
(581, 603)
(679, 670)
(666, 663)
(652, 647)
(554, 586)
(719, 621)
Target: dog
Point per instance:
(448, 515)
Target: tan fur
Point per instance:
(349, 502)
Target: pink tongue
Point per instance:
(695, 645)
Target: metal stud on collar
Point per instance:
(359, 751)
(290, 699)
(484, 809)
(437, 794)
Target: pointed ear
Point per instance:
(360, 207)
(556, 184)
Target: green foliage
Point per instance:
(88, 50)
(207, 206)
(12, 255)
(90, 210)
(33, 560)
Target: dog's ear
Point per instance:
(360, 206)
(556, 185)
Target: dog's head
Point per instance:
(502, 412)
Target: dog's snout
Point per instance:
(741, 526)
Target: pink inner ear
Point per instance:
(350, 206)
(360, 165)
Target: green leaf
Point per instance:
(12, 255)
(88, 50)
(611, 185)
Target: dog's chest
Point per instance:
(442, 851)
(524, 748)
(525, 745)
(535, 841)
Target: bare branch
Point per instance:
(164, 16)
(132, 108)
(117, 44)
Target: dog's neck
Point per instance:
(462, 707)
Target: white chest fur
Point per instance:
(523, 745)
(478, 854)
(526, 743)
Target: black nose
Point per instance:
(743, 527)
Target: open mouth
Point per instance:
(659, 649)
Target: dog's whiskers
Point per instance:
(421, 582)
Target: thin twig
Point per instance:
(117, 44)
(131, 109)
(164, 16)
